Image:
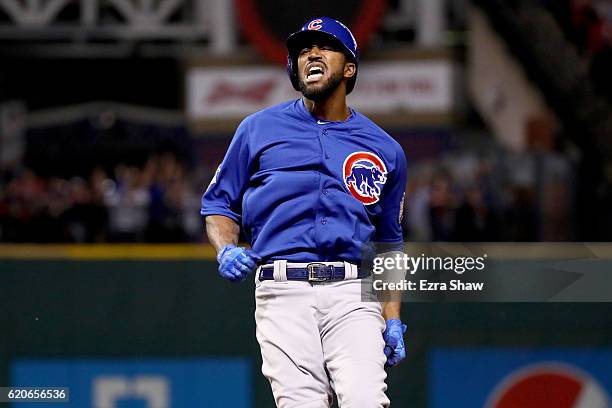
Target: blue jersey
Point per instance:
(307, 190)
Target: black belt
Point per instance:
(314, 272)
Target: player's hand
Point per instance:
(394, 342)
(236, 263)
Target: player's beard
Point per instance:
(315, 93)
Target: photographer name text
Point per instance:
(455, 285)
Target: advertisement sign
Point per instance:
(520, 378)
(382, 88)
(214, 382)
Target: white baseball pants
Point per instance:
(318, 337)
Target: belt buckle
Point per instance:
(312, 268)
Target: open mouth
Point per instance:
(314, 73)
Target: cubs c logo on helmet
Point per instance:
(315, 24)
(364, 175)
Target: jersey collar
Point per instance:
(309, 116)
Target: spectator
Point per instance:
(441, 209)
(417, 216)
(475, 221)
(86, 217)
(23, 205)
(172, 209)
(520, 224)
(128, 205)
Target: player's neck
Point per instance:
(333, 108)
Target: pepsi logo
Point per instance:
(552, 385)
(364, 175)
(315, 24)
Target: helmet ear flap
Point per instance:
(291, 71)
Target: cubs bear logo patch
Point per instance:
(364, 175)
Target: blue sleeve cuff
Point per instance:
(222, 211)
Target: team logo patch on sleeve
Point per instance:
(364, 175)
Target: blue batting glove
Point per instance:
(236, 263)
(394, 342)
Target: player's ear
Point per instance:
(349, 69)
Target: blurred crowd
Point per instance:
(469, 198)
(151, 203)
(461, 196)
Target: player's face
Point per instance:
(321, 69)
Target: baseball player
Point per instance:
(309, 182)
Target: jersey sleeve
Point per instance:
(224, 193)
(389, 222)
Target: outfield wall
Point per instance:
(161, 303)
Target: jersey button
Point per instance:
(325, 132)
(325, 191)
(324, 221)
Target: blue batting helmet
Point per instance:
(328, 29)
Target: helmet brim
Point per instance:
(301, 39)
